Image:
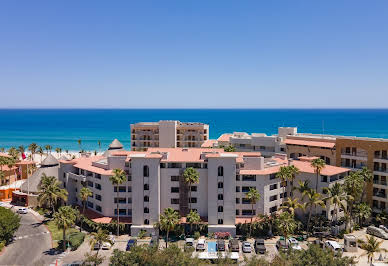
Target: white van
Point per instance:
(333, 245)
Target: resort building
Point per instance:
(168, 134)
(155, 182)
(356, 153)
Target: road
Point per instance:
(31, 245)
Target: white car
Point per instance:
(294, 244)
(201, 244)
(246, 247)
(333, 245)
(22, 210)
(108, 245)
(384, 228)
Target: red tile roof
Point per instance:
(309, 143)
(225, 137)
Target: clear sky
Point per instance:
(171, 54)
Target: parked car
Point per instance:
(246, 247)
(22, 210)
(131, 243)
(294, 244)
(384, 228)
(234, 245)
(74, 263)
(375, 231)
(333, 245)
(282, 244)
(106, 245)
(201, 244)
(259, 246)
(220, 246)
(96, 246)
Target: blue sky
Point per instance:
(193, 54)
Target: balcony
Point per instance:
(380, 159)
(380, 171)
(361, 156)
(80, 178)
(380, 194)
(380, 182)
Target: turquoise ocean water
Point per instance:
(63, 127)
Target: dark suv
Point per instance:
(220, 245)
(259, 246)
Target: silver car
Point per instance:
(375, 231)
(246, 247)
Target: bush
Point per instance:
(142, 234)
(9, 223)
(76, 239)
(197, 235)
(2, 244)
(91, 226)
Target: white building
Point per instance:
(168, 134)
(155, 182)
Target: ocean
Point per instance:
(63, 127)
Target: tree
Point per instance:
(11, 163)
(193, 218)
(84, 194)
(58, 150)
(14, 153)
(33, 147)
(318, 164)
(79, 141)
(99, 145)
(336, 195)
(117, 179)
(367, 175)
(229, 148)
(191, 177)
(168, 221)
(303, 188)
(9, 223)
(64, 219)
(284, 174)
(253, 196)
(40, 151)
(291, 205)
(21, 149)
(50, 192)
(363, 211)
(293, 172)
(354, 184)
(100, 237)
(371, 246)
(313, 199)
(286, 224)
(4, 161)
(48, 148)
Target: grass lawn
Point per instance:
(57, 233)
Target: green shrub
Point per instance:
(142, 234)
(9, 223)
(76, 239)
(2, 244)
(197, 235)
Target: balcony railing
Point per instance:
(380, 195)
(76, 177)
(379, 169)
(380, 182)
(356, 154)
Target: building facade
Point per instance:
(168, 134)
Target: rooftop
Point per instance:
(309, 143)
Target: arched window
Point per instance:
(220, 171)
(146, 171)
(220, 221)
(220, 209)
(146, 210)
(220, 196)
(146, 221)
(146, 187)
(220, 185)
(146, 199)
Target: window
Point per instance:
(248, 178)
(121, 211)
(146, 199)
(146, 171)
(246, 189)
(174, 201)
(129, 200)
(283, 195)
(121, 200)
(129, 178)
(237, 200)
(220, 185)
(237, 189)
(90, 204)
(98, 197)
(130, 212)
(272, 198)
(220, 221)
(272, 176)
(324, 178)
(174, 178)
(220, 171)
(237, 212)
(220, 209)
(146, 187)
(220, 196)
(273, 186)
(237, 177)
(146, 221)
(98, 176)
(121, 189)
(97, 186)
(162, 165)
(98, 208)
(248, 212)
(246, 201)
(273, 209)
(174, 189)
(129, 189)
(146, 210)
(262, 147)
(90, 184)
(194, 188)
(193, 200)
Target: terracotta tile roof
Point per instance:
(243, 220)
(309, 143)
(225, 137)
(2, 154)
(307, 158)
(182, 154)
(99, 218)
(86, 164)
(209, 143)
(328, 170)
(265, 171)
(25, 162)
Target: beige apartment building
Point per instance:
(168, 134)
(155, 182)
(356, 153)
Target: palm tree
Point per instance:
(294, 171)
(336, 195)
(193, 218)
(3, 161)
(313, 199)
(117, 179)
(303, 188)
(353, 185)
(79, 141)
(100, 237)
(64, 219)
(371, 246)
(99, 145)
(58, 151)
(363, 212)
(253, 196)
(14, 153)
(48, 148)
(367, 175)
(168, 221)
(318, 164)
(40, 151)
(291, 205)
(11, 163)
(286, 224)
(284, 174)
(50, 192)
(33, 148)
(191, 177)
(84, 194)
(21, 149)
